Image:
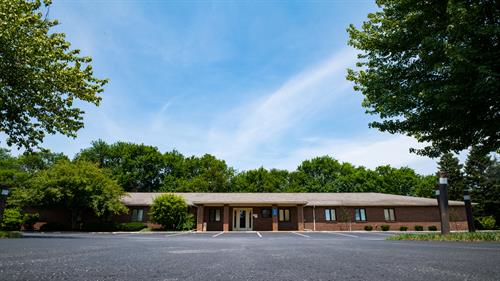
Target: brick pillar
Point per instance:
(300, 218)
(275, 217)
(226, 215)
(199, 218)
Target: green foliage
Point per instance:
(451, 165)
(403, 228)
(432, 228)
(12, 219)
(29, 221)
(41, 78)
(75, 187)
(171, 211)
(368, 227)
(131, 226)
(385, 227)
(419, 228)
(10, 234)
(487, 222)
(430, 70)
(457, 236)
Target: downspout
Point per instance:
(314, 217)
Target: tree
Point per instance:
(41, 78)
(429, 69)
(75, 186)
(451, 165)
(136, 167)
(171, 211)
(261, 180)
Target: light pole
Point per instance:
(3, 199)
(443, 203)
(468, 210)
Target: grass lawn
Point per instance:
(456, 236)
(10, 234)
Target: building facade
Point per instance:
(302, 211)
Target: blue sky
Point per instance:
(254, 83)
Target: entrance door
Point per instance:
(242, 219)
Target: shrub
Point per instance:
(419, 228)
(385, 227)
(100, 227)
(368, 227)
(487, 222)
(10, 234)
(171, 211)
(53, 226)
(131, 226)
(12, 220)
(432, 228)
(29, 221)
(403, 228)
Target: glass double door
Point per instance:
(242, 219)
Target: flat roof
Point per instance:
(309, 199)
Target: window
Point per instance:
(330, 215)
(137, 214)
(389, 215)
(265, 213)
(360, 214)
(284, 215)
(213, 215)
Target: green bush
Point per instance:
(419, 228)
(12, 220)
(487, 222)
(29, 221)
(432, 228)
(100, 227)
(368, 227)
(10, 234)
(53, 226)
(171, 211)
(403, 228)
(131, 226)
(385, 227)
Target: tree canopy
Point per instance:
(430, 70)
(41, 77)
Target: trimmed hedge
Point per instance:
(368, 227)
(403, 228)
(385, 227)
(419, 228)
(131, 226)
(432, 228)
(10, 234)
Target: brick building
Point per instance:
(302, 211)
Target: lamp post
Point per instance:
(3, 199)
(468, 210)
(443, 203)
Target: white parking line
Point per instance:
(343, 234)
(176, 234)
(260, 235)
(220, 233)
(300, 234)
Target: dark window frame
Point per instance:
(334, 213)
(268, 215)
(285, 210)
(361, 218)
(393, 214)
(135, 217)
(212, 215)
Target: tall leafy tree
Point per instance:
(430, 69)
(76, 187)
(456, 185)
(41, 77)
(136, 167)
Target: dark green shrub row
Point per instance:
(385, 227)
(13, 219)
(368, 227)
(432, 228)
(403, 228)
(419, 228)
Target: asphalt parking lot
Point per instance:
(243, 256)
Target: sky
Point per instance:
(258, 83)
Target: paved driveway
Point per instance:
(243, 256)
